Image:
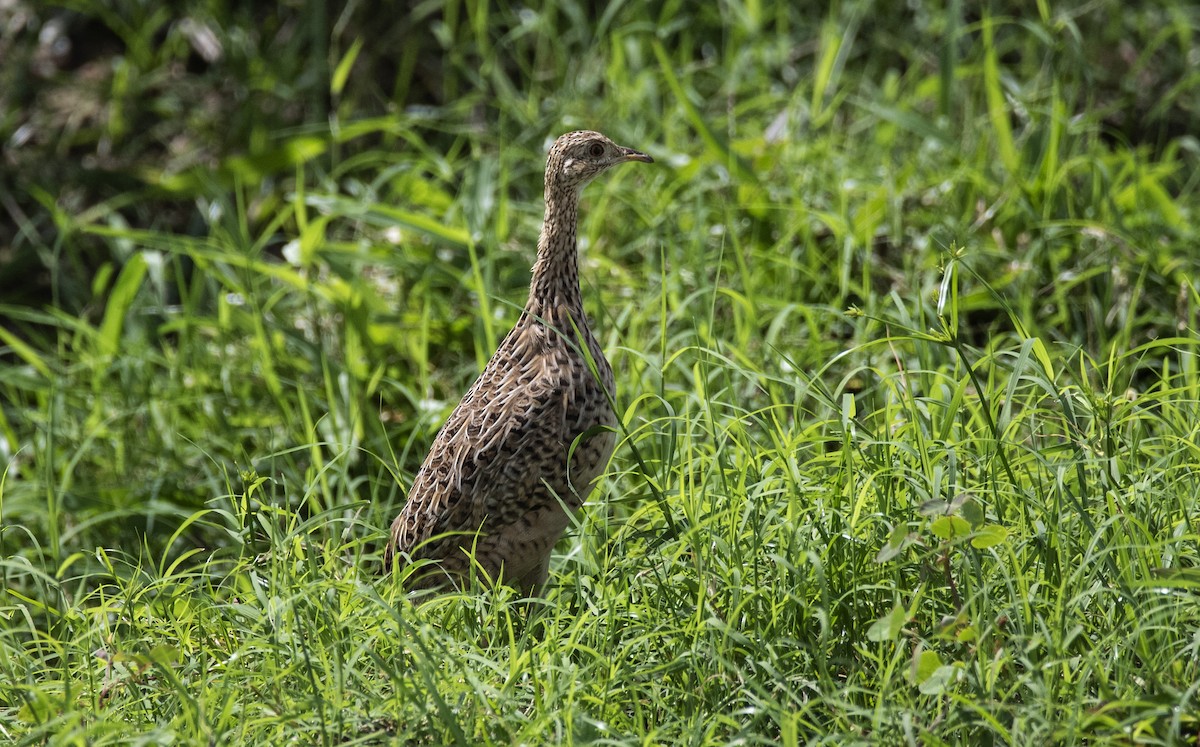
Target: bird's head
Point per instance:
(577, 157)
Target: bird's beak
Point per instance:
(629, 154)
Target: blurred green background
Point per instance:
(134, 112)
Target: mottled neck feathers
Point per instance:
(555, 282)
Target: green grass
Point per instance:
(905, 342)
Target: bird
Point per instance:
(528, 442)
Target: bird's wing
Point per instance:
(489, 459)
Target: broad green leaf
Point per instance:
(989, 535)
(164, 654)
(939, 679)
(950, 526)
(37, 708)
(888, 627)
(924, 664)
(972, 511)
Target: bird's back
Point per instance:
(496, 479)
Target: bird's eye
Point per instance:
(596, 150)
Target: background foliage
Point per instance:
(903, 319)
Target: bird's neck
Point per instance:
(554, 287)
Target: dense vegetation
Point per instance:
(904, 324)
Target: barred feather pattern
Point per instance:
(527, 443)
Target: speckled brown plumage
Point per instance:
(497, 477)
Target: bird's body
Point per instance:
(533, 433)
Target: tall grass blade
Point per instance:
(120, 301)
